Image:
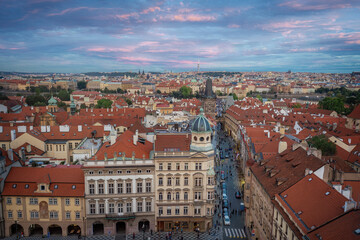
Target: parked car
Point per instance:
(242, 207)
(222, 176)
(226, 220)
(225, 196)
(226, 212)
(223, 185)
(226, 204)
(238, 194)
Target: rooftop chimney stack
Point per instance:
(136, 137)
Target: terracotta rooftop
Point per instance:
(311, 202)
(175, 142)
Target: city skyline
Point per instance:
(67, 36)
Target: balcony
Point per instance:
(198, 187)
(117, 216)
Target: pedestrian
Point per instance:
(166, 237)
(133, 235)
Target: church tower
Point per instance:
(201, 134)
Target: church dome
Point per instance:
(52, 101)
(201, 124)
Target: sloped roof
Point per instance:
(173, 141)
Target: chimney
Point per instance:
(115, 156)
(105, 157)
(307, 171)
(13, 134)
(349, 205)
(268, 133)
(48, 128)
(315, 152)
(349, 141)
(10, 154)
(282, 146)
(79, 128)
(87, 109)
(22, 154)
(136, 137)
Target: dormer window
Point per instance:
(26, 186)
(42, 187)
(73, 187)
(14, 185)
(56, 187)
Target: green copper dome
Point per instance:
(52, 101)
(201, 124)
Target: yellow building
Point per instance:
(44, 201)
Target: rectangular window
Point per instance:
(67, 201)
(128, 187)
(52, 201)
(186, 181)
(186, 210)
(101, 208)
(160, 181)
(139, 206)
(177, 166)
(111, 188)
(3, 146)
(119, 188)
(210, 181)
(186, 196)
(77, 215)
(128, 207)
(51, 147)
(33, 201)
(19, 214)
(111, 207)
(91, 189)
(139, 187)
(197, 166)
(197, 196)
(67, 215)
(101, 188)
(18, 200)
(160, 166)
(168, 211)
(8, 201)
(120, 208)
(169, 181)
(177, 181)
(177, 211)
(10, 214)
(169, 166)
(186, 166)
(160, 211)
(92, 208)
(148, 206)
(70, 146)
(77, 201)
(148, 187)
(34, 214)
(197, 211)
(54, 215)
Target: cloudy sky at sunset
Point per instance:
(230, 35)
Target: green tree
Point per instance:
(218, 93)
(185, 91)
(235, 97)
(119, 90)
(296, 105)
(333, 103)
(322, 143)
(62, 105)
(104, 103)
(158, 91)
(259, 97)
(81, 84)
(82, 106)
(64, 95)
(128, 101)
(35, 99)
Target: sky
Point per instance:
(168, 35)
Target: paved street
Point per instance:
(236, 228)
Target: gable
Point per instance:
(27, 138)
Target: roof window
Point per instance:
(73, 187)
(327, 193)
(299, 212)
(26, 186)
(14, 185)
(56, 187)
(310, 179)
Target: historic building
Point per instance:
(44, 201)
(184, 176)
(119, 186)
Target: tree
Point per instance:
(81, 84)
(128, 101)
(333, 103)
(3, 97)
(218, 93)
(119, 90)
(104, 103)
(35, 99)
(296, 105)
(322, 143)
(235, 97)
(64, 95)
(62, 105)
(82, 106)
(259, 97)
(158, 91)
(185, 91)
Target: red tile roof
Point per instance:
(173, 141)
(311, 202)
(355, 113)
(342, 227)
(124, 145)
(65, 179)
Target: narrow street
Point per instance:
(227, 165)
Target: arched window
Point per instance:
(169, 196)
(195, 138)
(202, 139)
(160, 196)
(207, 138)
(177, 196)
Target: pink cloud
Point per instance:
(126, 16)
(312, 6)
(307, 49)
(151, 9)
(290, 24)
(69, 10)
(233, 26)
(191, 18)
(3, 47)
(353, 42)
(106, 49)
(349, 38)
